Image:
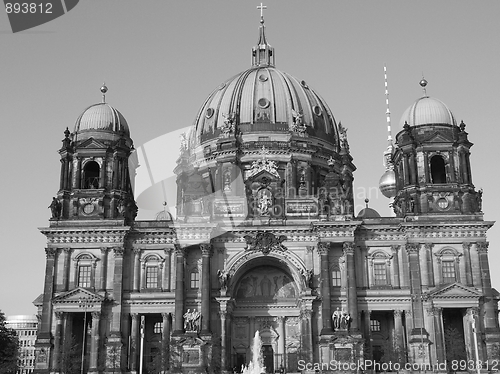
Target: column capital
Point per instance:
(165, 315)
(50, 252)
(59, 316)
(306, 313)
(398, 313)
(206, 249)
(179, 251)
(395, 248)
(348, 247)
(482, 247)
(134, 316)
(466, 245)
(412, 248)
(96, 315)
(309, 248)
(68, 250)
(474, 311)
(118, 252)
(167, 251)
(323, 248)
(137, 251)
(223, 314)
(429, 246)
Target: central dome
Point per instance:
(265, 99)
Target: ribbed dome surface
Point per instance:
(427, 111)
(264, 99)
(101, 117)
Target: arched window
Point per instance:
(152, 269)
(438, 170)
(85, 269)
(91, 175)
(380, 273)
(448, 258)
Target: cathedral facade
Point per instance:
(265, 240)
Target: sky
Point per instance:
(161, 59)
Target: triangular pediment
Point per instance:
(91, 143)
(438, 137)
(455, 290)
(265, 175)
(78, 295)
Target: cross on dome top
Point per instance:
(262, 53)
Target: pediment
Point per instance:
(456, 291)
(265, 175)
(91, 143)
(74, 297)
(438, 137)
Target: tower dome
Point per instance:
(101, 121)
(427, 111)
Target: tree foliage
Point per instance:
(70, 359)
(9, 348)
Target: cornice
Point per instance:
(84, 235)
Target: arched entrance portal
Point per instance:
(267, 299)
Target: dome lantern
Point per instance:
(262, 53)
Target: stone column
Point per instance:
(281, 340)
(168, 269)
(426, 168)
(352, 295)
(104, 268)
(489, 307)
(102, 177)
(223, 353)
(165, 341)
(406, 169)
(67, 268)
(438, 328)
(58, 341)
(94, 341)
(418, 339)
(44, 330)
(413, 168)
(224, 312)
(307, 338)
(430, 262)
(179, 290)
(206, 253)
(424, 265)
(398, 331)
(368, 332)
(395, 265)
(115, 335)
(137, 269)
(468, 268)
(323, 249)
(134, 341)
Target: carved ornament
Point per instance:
(265, 242)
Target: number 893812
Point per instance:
(28, 8)
(464, 365)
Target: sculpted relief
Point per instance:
(266, 282)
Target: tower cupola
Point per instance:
(95, 177)
(431, 162)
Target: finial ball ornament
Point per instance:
(104, 89)
(423, 82)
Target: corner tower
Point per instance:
(431, 162)
(95, 179)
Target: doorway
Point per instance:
(268, 355)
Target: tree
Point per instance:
(9, 348)
(70, 358)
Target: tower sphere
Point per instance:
(387, 184)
